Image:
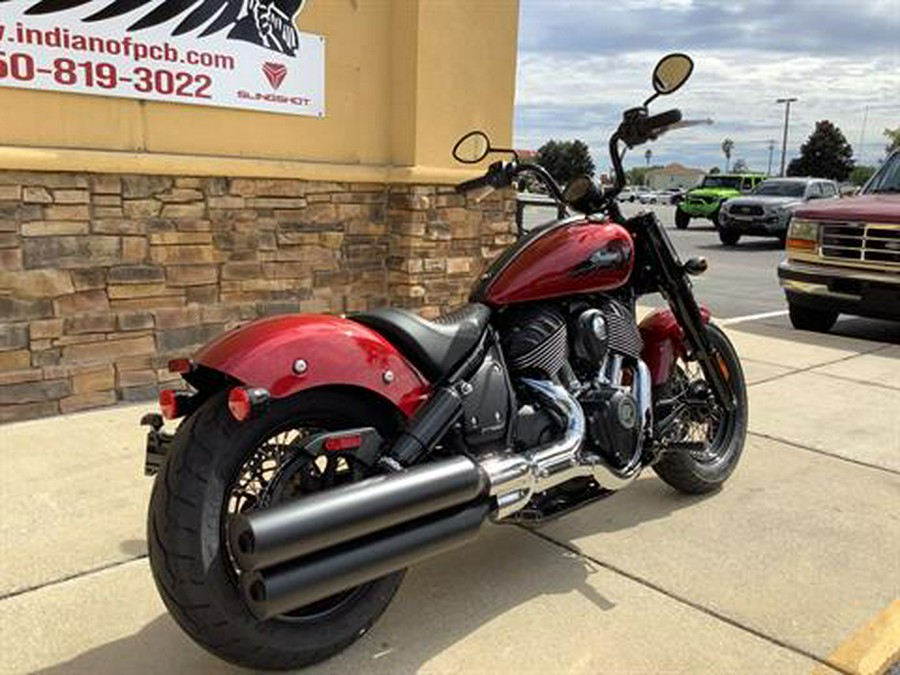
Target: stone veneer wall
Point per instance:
(103, 278)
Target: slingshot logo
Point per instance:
(267, 23)
(274, 73)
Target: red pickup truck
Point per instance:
(843, 256)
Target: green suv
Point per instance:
(705, 200)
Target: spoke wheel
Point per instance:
(218, 467)
(280, 470)
(703, 442)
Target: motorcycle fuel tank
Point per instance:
(570, 257)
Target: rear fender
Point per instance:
(663, 342)
(336, 351)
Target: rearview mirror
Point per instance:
(672, 71)
(472, 148)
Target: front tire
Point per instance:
(682, 220)
(192, 498)
(807, 318)
(699, 472)
(729, 237)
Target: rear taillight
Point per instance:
(247, 402)
(174, 404)
(348, 442)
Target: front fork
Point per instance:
(676, 287)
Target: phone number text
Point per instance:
(67, 72)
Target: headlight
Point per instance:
(803, 235)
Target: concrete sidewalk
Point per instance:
(771, 575)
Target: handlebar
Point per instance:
(500, 175)
(664, 119)
(474, 184)
(636, 128)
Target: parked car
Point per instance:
(633, 193)
(768, 209)
(667, 196)
(843, 256)
(705, 200)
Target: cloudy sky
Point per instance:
(581, 62)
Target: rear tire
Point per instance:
(691, 473)
(806, 318)
(192, 567)
(682, 220)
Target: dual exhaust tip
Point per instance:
(303, 551)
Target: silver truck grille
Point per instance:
(873, 243)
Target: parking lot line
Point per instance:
(751, 317)
(872, 649)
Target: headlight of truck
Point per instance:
(803, 235)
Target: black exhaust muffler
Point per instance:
(271, 536)
(278, 590)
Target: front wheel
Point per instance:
(218, 467)
(703, 440)
(807, 318)
(681, 219)
(729, 237)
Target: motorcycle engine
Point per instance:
(593, 349)
(607, 348)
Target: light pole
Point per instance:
(771, 149)
(787, 116)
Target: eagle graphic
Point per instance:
(268, 23)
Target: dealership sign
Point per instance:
(227, 53)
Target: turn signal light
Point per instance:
(181, 366)
(174, 404)
(804, 245)
(247, 402)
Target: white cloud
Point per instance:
(580, 93)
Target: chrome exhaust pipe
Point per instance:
(515, 478)
(306, 550)
(281, 589)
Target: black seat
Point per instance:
(434, 347)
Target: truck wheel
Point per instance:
(681, 219)
(729, 237)
(806, 318)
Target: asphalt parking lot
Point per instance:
(794, 567)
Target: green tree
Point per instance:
(740, 165)
(861, 174)
(893, 136)
(566, 159)
(727, 147)
(826, 154)
(713, 171)
(637, 175)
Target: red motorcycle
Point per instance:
(320, 456)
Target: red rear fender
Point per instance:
(336, 351)
(663, 342)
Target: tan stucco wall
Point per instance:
(404, 78)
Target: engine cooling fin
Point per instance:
(622, 331)
(536, 341)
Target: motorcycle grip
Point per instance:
(474, 184)
(664, 119)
